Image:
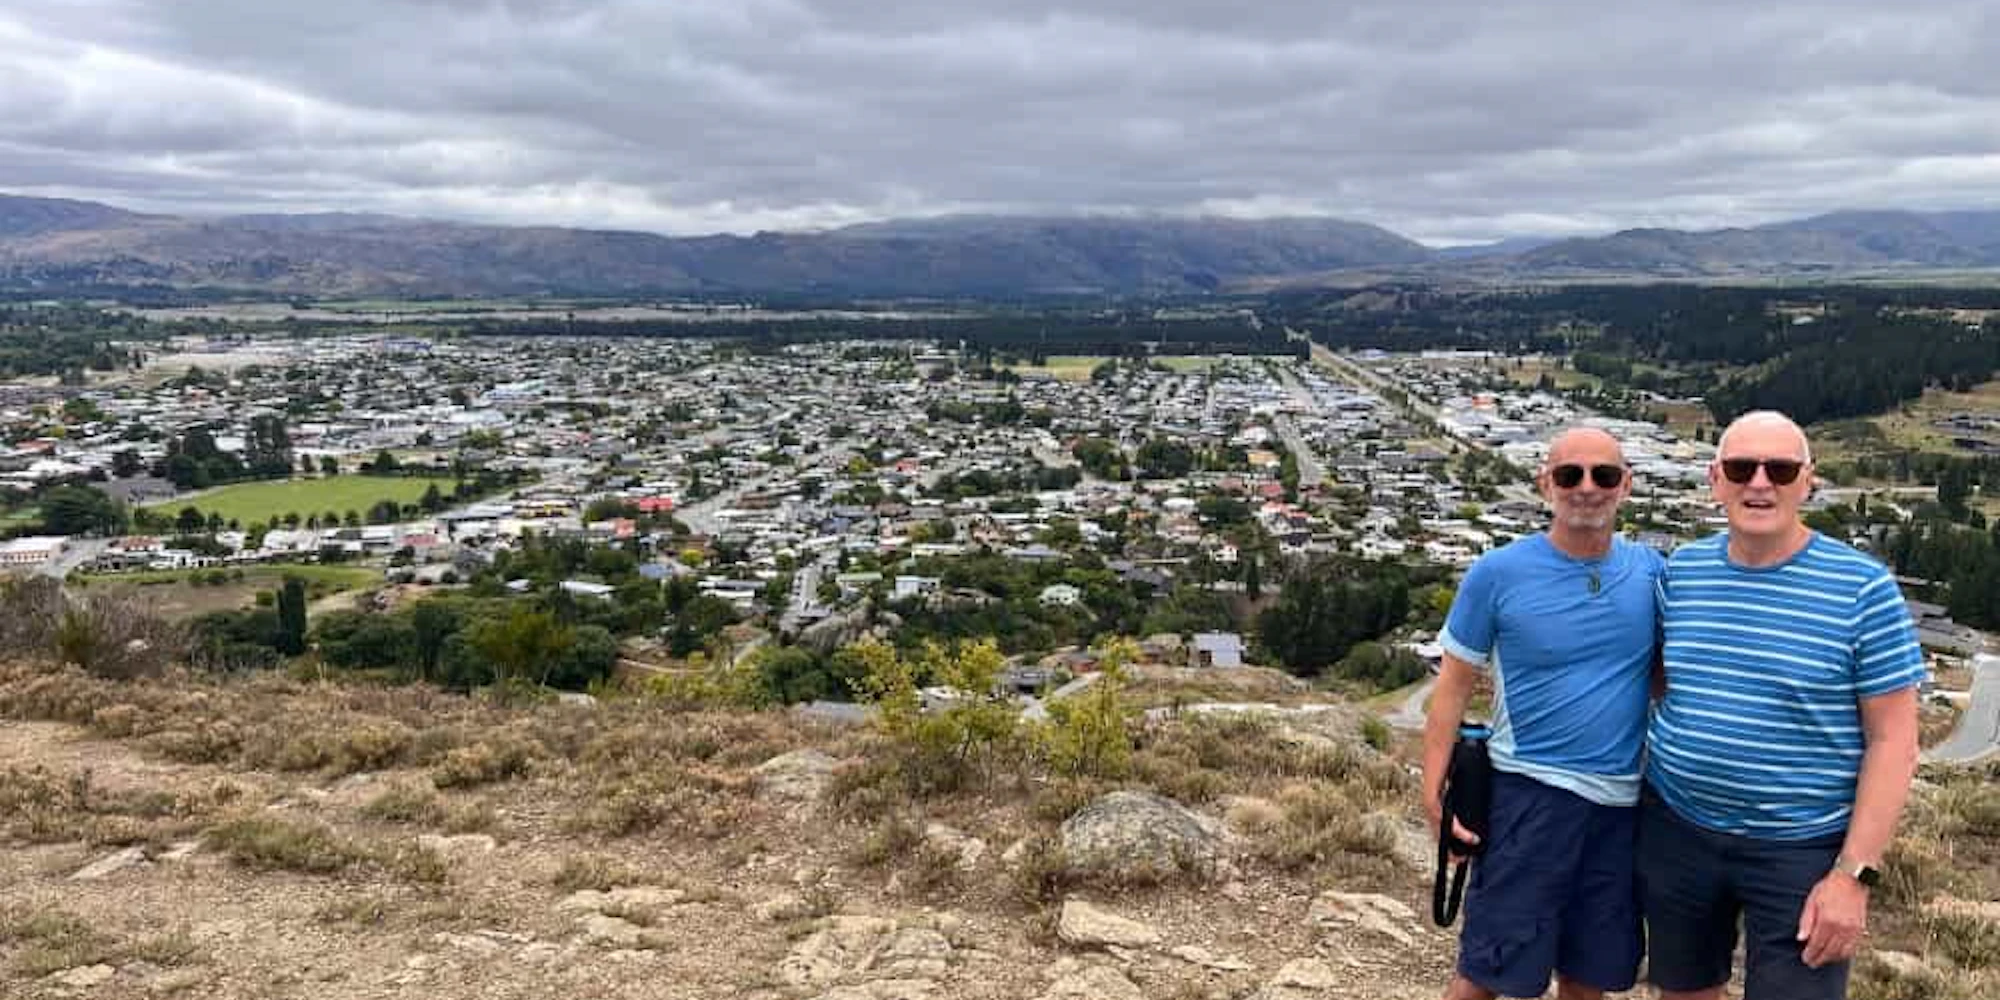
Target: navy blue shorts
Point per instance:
(1697, 882)
(1553, 892)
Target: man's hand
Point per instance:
(1434, 812)
(1834, 919)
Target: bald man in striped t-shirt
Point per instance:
(1781, 755)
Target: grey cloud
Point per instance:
(1445, 119)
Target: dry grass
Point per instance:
(1970, 939)
(1876, 979)
(1319, 824)
(41, 806)
(596, 872)
(269, 843)
(50, 940)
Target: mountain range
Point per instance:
(57, 245)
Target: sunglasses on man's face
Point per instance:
(1569, 477)
(1781, 471)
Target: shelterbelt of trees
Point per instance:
(1815, 353)
(1032, 335)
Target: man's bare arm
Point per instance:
(1836, 911)
(1889, 724)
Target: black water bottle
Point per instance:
(1468, 795)
(1468, 798)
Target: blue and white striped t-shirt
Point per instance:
(1760, 731)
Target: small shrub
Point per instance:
(52, 940)
(966, 743)
(484, 762)
(338, 750)
(689, 801)
(404, 803)
(1043, 874)
(874, 787)
(1088, 734)
(470, 817)
(214, 743)
(1914, 871)
(897, 835)
(933, 870)
(1968, 808)
(269, 843)
(594, 871)
(1876, 979)
(1965, 936)
(1375, 733)
(1319, 824)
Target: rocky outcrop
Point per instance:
(1139, 834)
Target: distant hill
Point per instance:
(1512, 246)
(1835, 242)
(54, 245)
(26, 217)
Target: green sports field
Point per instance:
(248, 503)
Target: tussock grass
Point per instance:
(38, 805)
(269, 843)
(50, 940)
(595, 871)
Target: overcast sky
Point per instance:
(1446, 120)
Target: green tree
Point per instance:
(291, 637)
(82, 510)
(523, 647)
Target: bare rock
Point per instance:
(475, 943)
(540, 953)
(1094, 982)
(780, 908)
(1197, 955)
(883, 989)
(1370, 912)
(83, 977)
(624, 899)
(177, 980)
(797, 777)
(454, 848)
(1301, 979)
(1139, 833)
(1086, 926)
(841, 945)
(111, 864)
(967, 849)
(911, 953)
(599, 928)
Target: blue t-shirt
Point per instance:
(1760, 732)
(1570, 645)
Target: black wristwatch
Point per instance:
(1868, 875)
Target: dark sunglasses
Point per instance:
(1781, 471)
(1569, 477)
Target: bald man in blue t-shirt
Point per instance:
(1565, 624)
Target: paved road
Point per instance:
(76, 553)
(1978, 733)
(1312, 472)
(1355, 374)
